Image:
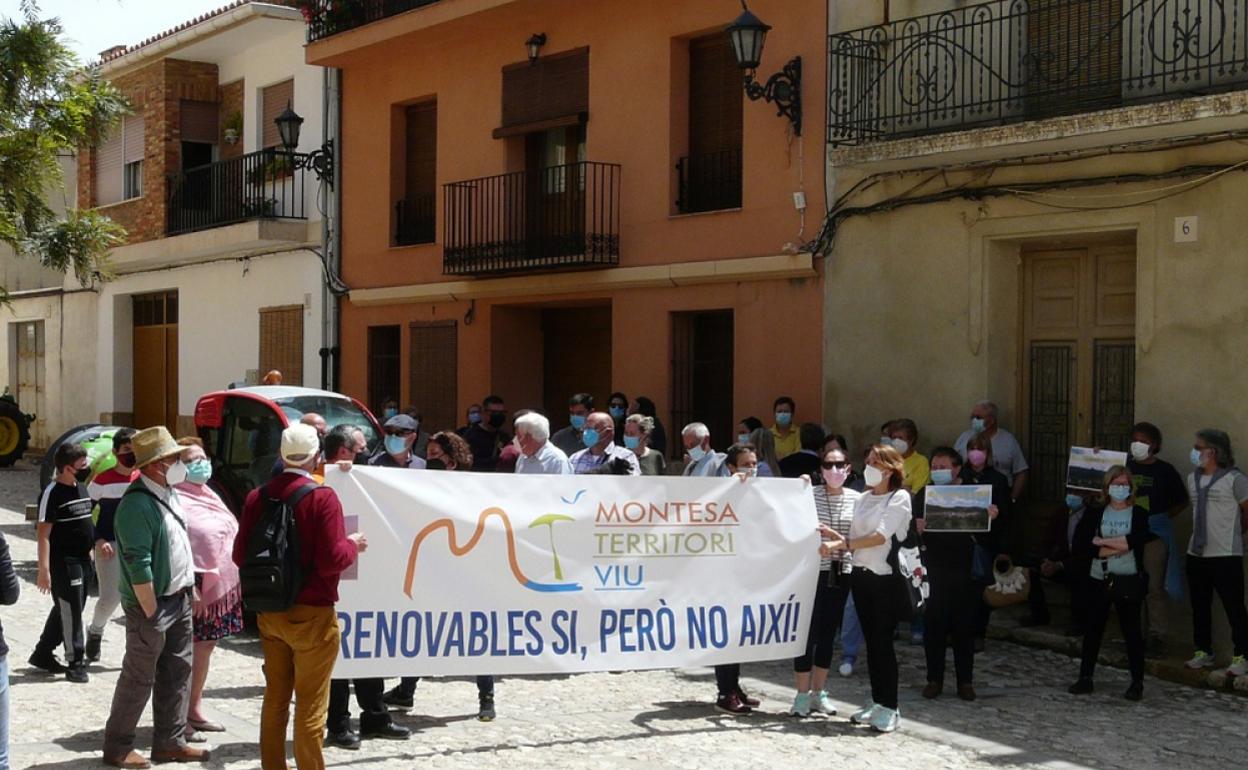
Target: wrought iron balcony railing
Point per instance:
(1014, 60)
(557, 218)
(709, 182)
(258, 185)
(329, 17)
(415, 220)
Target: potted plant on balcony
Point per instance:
(332, 15)
(233, 127)
(260, 207)
(278, 166)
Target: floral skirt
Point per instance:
(213, 629)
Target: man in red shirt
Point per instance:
(301, 643)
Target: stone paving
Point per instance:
(1023, 717)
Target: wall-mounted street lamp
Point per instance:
(320, 161)
(534, 45)
(783, 89)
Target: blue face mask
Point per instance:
(389, 412)
(743, 438)
(697, 453)
(1196, 458)
(1119, 492)
(590, 437)
(632, 442)
(578, 421)
(977, 424)
(1074, 502)
(474, 418)
(396, 445)
(199, 471)
(942, 477)
(783, 419)
(616, 411)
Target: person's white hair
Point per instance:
(644, 423)
(989, 407)
(534, 424)
(698, 429)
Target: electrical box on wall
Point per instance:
(1185, 229)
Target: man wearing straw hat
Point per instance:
(157, 576)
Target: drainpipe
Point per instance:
(331, 239)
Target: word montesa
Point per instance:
(691, 515)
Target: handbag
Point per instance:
(1011, 585)
(981, 563)
(910, 575)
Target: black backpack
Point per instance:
(271, 575)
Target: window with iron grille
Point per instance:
(383, 366)
(710, 176)
(415, 212)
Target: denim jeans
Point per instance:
(4, 712)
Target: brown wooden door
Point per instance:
(156, 360)
(576, 352)
(433, 384)
(702, 375)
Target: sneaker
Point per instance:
(885, 720)
(93, 646)
(1080, 687)
(485, 710)
(747, 700)
(77, 673)
(823, 704)
(1135, 691)
(1200, 660)
(1238, 667)
(846, 669)
(396, 697)
(864, 715)
(801, 705)
(46, 661)
(731, 704)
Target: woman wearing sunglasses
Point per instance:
(835, 506)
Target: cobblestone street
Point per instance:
(655, 718)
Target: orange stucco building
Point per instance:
(611, 215)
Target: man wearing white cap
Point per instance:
(157, 575)
(300, 643)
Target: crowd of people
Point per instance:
(147, 535)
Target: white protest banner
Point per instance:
(469, 573)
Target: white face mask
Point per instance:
(901, 445)
(873, 476)
(176, 474)
(1139, 450)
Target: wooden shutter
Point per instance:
(108, 168)
(715, 96)
(274, 100)
(199, 121)
(134, 138)
(432, 374)
(281, 342)
(422, 149)
(552, 88)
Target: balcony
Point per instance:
(258, 185)
(415, 219)
(710, 182)
(1010, 61)
(558, 218)
(329, 17)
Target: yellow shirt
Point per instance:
(786, 445)
(917, 471)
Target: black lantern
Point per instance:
(747, 34)
(534, 45)
(320, 161)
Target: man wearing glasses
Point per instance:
(401, 431)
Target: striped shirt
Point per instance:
(836, 511)
(106, 490)
(68, 509)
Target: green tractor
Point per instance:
(14, 430)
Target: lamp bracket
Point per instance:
(783, 89)
(320, 161)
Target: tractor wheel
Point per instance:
(14, 433)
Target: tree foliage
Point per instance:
(50, 106)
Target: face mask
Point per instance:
(590, 437)
(436, 465)
(616, 411)
(977, 424)
(83, 474)
(743, 438)
(1074, 502)
(497, 419)
(390, 412)
(396, 445)
(873, 476)
(901, 445)
(784, 419)
(126, 459)
(836, 477)
(632, 442)
(697, 453)
(199, 471)
(942, 477)
(1140, 450)
(748, 471)
(977, 457)
(1196, 458)
(474, 418)
(1119, 492)
(176, 474)
(361, 458)
(885, 441)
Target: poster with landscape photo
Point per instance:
(958, 508)
(1086, 467)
